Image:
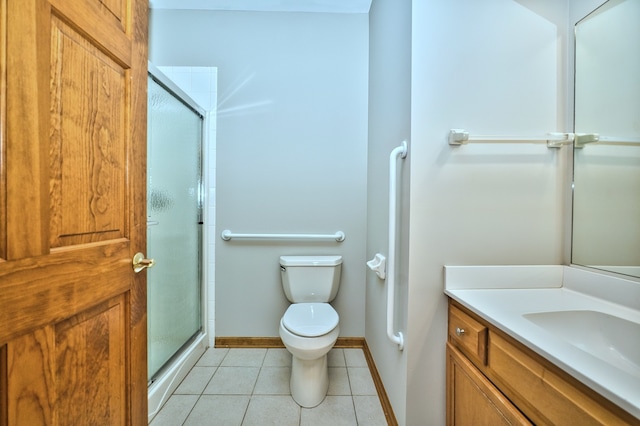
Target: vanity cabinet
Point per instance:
(494, 380)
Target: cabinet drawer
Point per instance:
(468, 335)
(541, 393)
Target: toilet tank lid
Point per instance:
(310, 260)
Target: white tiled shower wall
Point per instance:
(201, 84)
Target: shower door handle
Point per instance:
(140, 263)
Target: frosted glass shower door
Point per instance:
(174, 239)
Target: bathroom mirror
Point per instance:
(606, 197)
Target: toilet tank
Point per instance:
(310, 278)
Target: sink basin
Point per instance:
(609, 338)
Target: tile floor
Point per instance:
(251, 387)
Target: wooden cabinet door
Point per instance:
(72, 212)
(472, 400)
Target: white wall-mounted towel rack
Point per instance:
(583, 139)
(228, 235)
(553, 140)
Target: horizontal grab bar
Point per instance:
(553, 140)
(228, 235)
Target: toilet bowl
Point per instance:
(309, 327)
(309, 331)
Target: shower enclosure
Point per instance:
(174, 225)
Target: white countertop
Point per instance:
(503, 294)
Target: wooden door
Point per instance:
(72, 212)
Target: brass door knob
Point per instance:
(140, 263)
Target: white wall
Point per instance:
(389, 125)
(291, 148)
(491, 67)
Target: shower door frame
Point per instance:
(170, 376)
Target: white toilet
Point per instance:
(309, 327)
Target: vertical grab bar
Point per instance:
(398, 152)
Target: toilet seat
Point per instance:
(310, 319)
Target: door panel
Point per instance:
(72, 211)
(55, 371)
(88, 106)
(90, 360)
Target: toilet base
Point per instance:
(309, 381)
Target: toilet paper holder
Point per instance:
(378, 264)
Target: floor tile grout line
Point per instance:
(191, 410)
(355, 412)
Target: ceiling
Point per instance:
(329, 6)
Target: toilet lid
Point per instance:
(310, 319)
